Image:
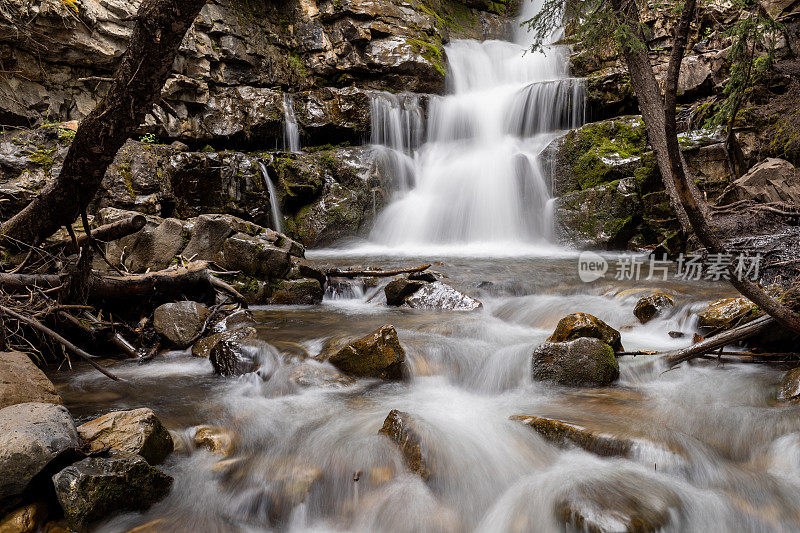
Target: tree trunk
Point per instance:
(660, 122)
(143, 70)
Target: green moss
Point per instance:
(43, 157)
(296, 63)
(124, 169)
(431, 52)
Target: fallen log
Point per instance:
(736, 334)
(336, 273)
(105, 233)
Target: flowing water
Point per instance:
(274, 201)
(712, 452)
(291, 131)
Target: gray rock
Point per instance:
(21, 381)
(772, 180)
(297, 292)
(156, 248)
(255, 257)
(97, 487)
(138, 431)
(584, 361)
(180, 322)
(399, 288)
(229, 358)
(208, 237)
(439, 296)
(33, 436)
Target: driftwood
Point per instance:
(736, 334)
(336, 273)
(41, 328)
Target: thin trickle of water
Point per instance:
(291, 131)
(477, 178)
(275, 207)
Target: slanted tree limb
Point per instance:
(144, 68)
(336, 273)
(105, 233)
(41, 328)
(736, 334)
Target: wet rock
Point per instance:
(400, 428)
(230, 359)
(21, 381)
(428, 276)
(399, 288)
(790, 386)
(97, 487)
(208, 237)
(215, 439)
(33, 438)
(180, 322)
(377, 355)
(583, 361)
(254, 257)
(579, 325)
(618, 506)
(723, 313)
(27, 519)
(202, 348)
(240, 318)
(310, 375)
(563, 433)
(772, 180)
(291, 485)
(306, 269)
(138, 431)
(297, 292)
(649, 307)
(439, 296)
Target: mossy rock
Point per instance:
(581, 362)
(579, 325)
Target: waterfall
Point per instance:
(476, 181)
(274, 204)
(291, 132)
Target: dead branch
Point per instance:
(41, 328)
(336, 273)
(736, 334)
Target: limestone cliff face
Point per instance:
(237, 60)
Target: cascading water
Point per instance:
(477, 181)
(291, 131)
(275, 207)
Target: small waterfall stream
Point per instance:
(291, 131)
(275, 207)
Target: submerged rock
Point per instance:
(308, 375)
(203, 347)
(651, 306)
(614, 506)
(790, 386)
(138, 431)
(215, 439)
(563, 433)
(180, 322)
(21, 381)
(377, 355)
(97, 487)
(439, 296)
(400, 428)
(33, 437)
(399, 288)
(579, 325)
(583, 361)
(229, 359)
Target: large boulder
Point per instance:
(401, 428)
(97, 487)
(579, 325)
(306, 291)
(156, 248)
(377, 355)
(203, 347)
(772, 180)
(649, 307)
(21, 381)
(138, 431)
(180, 322)
(27, 519)
(583, 361)
(254, 257)
(34, 437)
(229, 358)
(438, 296)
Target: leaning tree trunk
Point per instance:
(660, 121)
(137, 83)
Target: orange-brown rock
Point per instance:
(579, 325)
(400, 428)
